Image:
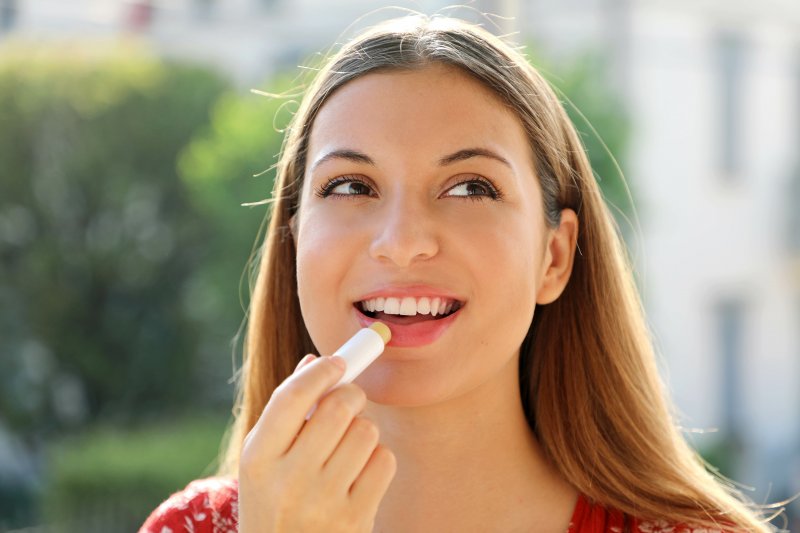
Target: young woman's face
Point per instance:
(420, 196)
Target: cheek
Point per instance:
(508, 269)
(323, 242)
(518, 272)
(324, 253)
(504, 252)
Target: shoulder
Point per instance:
(208, 505)
(592, 517)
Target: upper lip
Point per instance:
(413, 291)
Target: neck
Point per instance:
(470, 463)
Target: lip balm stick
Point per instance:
(360, 351)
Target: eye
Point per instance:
(345, 186)
(474, 188)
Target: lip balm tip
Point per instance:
(383, 330)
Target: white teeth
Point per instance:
(409, 306)
(392, 306)
(435, 307)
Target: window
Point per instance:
(793, 201)
(8, 15)
(269, 4)
(797, 94)
(203, 9)
(730, 67)
(730, 331)
(793, 196)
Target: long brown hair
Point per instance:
(588, 376)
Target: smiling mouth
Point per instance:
(408, 310)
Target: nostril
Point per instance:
(404, 242)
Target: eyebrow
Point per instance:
(359, 157)
(346, 154)
(469, 153)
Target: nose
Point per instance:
(405, 233)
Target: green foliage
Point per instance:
(121, 475)
(97, 237)
(601, 121)
(228, 164)
(722, 455)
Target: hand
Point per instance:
(325, 474)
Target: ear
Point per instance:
(558, 258)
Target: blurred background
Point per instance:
(129, 140)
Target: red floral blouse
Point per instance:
(212, 506)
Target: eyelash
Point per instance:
(325, 190)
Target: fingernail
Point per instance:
(338, 361)
(305, 360)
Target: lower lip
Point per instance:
(413, 335)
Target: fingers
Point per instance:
(329, 423)
(298, 475)
(285, 412)
(370, 487)
(353, 452)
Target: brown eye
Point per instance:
(345, 186)
(352, 188)
(474, 188)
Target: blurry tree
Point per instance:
(97, 236)
(110, 478)
(601, 120)
(228, 164)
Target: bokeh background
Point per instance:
(129, 140)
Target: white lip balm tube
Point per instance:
(360, 351)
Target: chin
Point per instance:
(404, 384)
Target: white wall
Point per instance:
(710, 237)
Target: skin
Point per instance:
(456, 452)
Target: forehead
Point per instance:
(427, 111)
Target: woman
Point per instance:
(431, 180)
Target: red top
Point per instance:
(212, 506)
